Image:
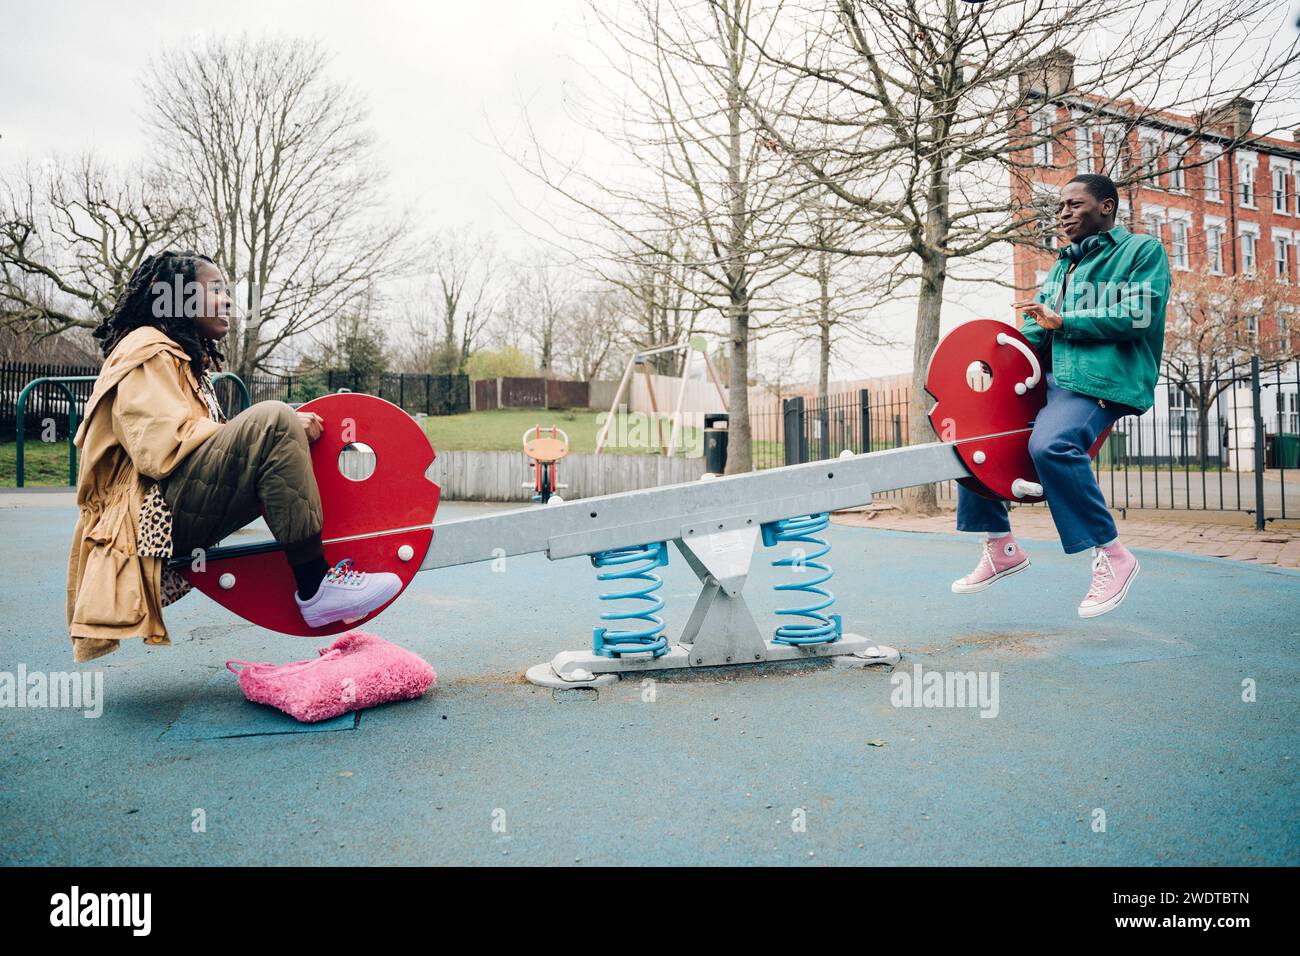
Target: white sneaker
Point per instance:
(347, 595)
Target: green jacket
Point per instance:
(1113, 310)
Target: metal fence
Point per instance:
(430, 394)
(413, 391)
(1195, 449)
(47, 403)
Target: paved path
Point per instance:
(1137, 715)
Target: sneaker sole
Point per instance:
(1100, 609)
(959, 588)
(326, 622)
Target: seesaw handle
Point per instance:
(1037, 372)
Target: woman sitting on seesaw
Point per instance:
(162, 474)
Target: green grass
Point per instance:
(44, 463)
(497, 430)
(503, 430)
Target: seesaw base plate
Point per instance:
(570, 669)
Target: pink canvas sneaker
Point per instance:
(1113, 570)
(348, 595)
(1002, 558)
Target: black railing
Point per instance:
(415, 392)
(1177, 455)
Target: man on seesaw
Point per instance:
(1098, 325)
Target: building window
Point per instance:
(1178, 234)
(1182, 414)
(1150, 147)
(1248, 253)
(1289, 412)
(1248, 184)
(1043, 137)
(1252, 330)
(1281, 258)
(1279, 189)
(1177, 175)
(1112, 151)
(1083, 148)
(1151, 224)
(1214, 249)
(1212, 179)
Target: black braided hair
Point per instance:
(135, 307)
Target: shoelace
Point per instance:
(985, 558)
(1101, 567)
(342, 573)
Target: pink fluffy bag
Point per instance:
(358, 670)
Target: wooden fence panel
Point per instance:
(500, 475)
(485, 394)
(566, 394)
(523, 392)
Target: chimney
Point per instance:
(1050, 75)
(1237, 114)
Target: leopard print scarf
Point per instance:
(154, 534)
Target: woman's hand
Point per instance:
(1045, 316)
(312, 424)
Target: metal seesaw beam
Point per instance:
(715, 525)
(691, 509)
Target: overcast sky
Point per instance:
(439, 77)
(443, 80)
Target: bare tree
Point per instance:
(844, 291)
(456, 298)
(706, 190)
(546, 297)
(351, 341)
(664, 307)
(934, 108)
(278, 161)
(71, 234)
(1217, 323)
(591, 333)
(651, 302)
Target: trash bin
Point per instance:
(1286, 451)
(715, 443)
(1113, 450)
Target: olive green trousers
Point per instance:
(258, 460)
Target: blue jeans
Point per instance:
(1063, 432)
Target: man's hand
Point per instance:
(312, 424)
(1047, 317)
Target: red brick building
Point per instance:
(1223, 200)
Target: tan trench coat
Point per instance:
(145, 414)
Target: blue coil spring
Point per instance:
(820, 628)
(632, 565)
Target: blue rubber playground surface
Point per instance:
(1136, 719)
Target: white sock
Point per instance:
(1111, 543)
(994, 535)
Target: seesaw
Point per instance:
(988, 385)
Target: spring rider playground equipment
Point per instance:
(989, 387)
(545, 451)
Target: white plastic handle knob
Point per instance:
(227, 581)
(405, 552)
(1026, 489)
(1030, 357)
